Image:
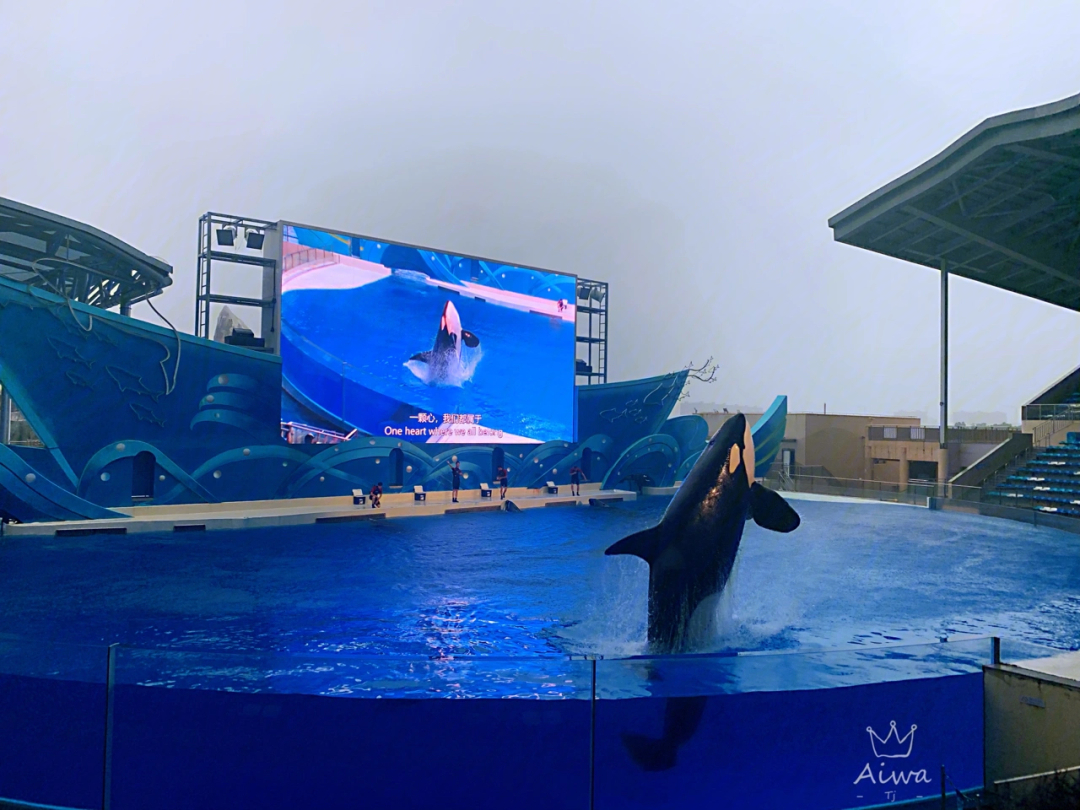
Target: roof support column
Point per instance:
(943, 447)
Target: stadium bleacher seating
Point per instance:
(1050, 482)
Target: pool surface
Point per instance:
(536, 582)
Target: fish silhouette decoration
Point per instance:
(65, 351)
(145, 414)
(128, 381)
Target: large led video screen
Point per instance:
(424, 346)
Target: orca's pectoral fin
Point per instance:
(644, 544)
(423, 357)
(682, 717)
(469, 339)
(650, 754)
(771, 511)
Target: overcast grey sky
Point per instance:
(688, 153)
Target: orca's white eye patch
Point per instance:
(734, 457)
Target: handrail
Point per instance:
(349, 656)
(953, 433)
(1015, 464)
(997, 459)
(865, 483)
(891, 491)
(1042, 432)
(1042, 412)
(293, 430)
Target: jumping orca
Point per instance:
(443, 364)
(690, 554)
(692, 550)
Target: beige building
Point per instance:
(899, 455)
(892, 449)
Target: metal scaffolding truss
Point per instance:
(592, 316)
(1001, 205)
(222, 228)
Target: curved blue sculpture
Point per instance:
(101, 389)
(28, 495)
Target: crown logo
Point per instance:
(893, 746)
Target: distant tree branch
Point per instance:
(705, 373)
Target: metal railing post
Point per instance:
(106, 780)
(5, 416)
(592, 740)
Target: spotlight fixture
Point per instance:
(254, 239)
(226, 237)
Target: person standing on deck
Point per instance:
(576, 476)
(455, 471)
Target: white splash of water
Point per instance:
(749, 617)
(449, 375)
(616, 612)
(726, 624)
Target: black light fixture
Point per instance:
(226, 237)
(254, 239)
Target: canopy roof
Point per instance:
(75, 260)
(1001, 205)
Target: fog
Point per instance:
(688, 154)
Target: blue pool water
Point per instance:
(521, 379)
(477, 588)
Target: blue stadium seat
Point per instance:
(1050, 482)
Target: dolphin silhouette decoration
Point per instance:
(443, 365)
(692, 550)
(690, 554)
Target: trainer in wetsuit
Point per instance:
(455, 470)
(503, 475)
(376, 495)
(576, 475)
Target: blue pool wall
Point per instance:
(67, 741)
(210, 415)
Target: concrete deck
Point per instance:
(1065, 666)
(305, 511)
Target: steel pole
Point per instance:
(5, 417)
(943, 447)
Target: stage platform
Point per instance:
(304, 511)
(661, 490)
